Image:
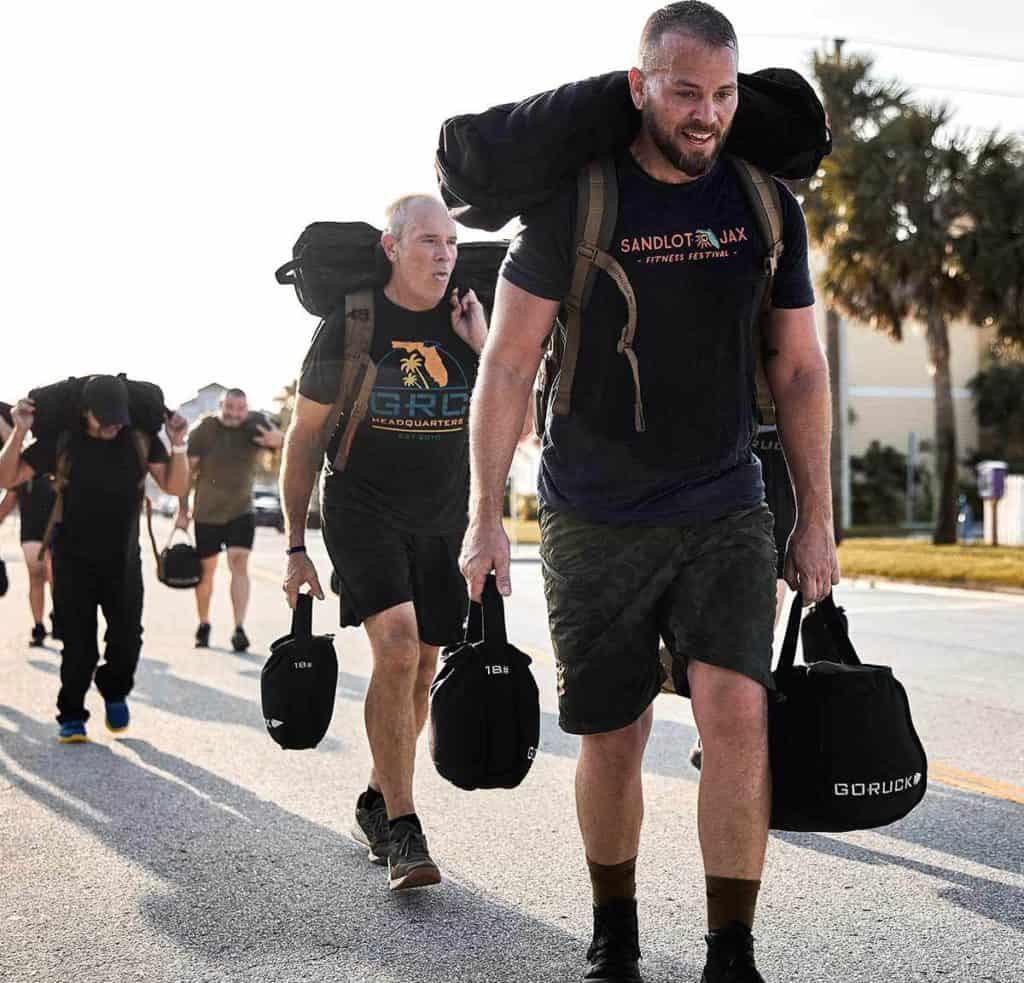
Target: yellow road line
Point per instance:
(978, 784)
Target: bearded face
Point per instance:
(687, 98)
(691, 146)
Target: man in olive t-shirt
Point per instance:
(223, 451)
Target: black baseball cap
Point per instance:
(106, 397)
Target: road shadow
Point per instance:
(266, 894)
(158, 684)
(999, 902)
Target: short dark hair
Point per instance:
(692, 17)
(234, 394)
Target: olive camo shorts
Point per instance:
(614, 591)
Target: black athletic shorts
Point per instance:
(35, 503)
(613, 591)
(238, 533)
(379, 566)
(778, 489)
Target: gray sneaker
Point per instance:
(371, 830)
(409, 863)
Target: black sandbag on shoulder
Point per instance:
(59, 406)
(496, 165)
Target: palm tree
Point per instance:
(991, 246)
(898, 203)
(857, 103)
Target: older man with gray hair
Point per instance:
(395, 502)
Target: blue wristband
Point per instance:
(295, 549)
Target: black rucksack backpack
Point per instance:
(844, 751)
(298, 682)
(484, 704)
(335, 269)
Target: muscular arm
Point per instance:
(193, 470)
(511, 356)
(301, 465)
(798, 375)
(303, 452)
(13, 470)
(172, 476)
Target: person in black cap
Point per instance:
(100, 469)
(34, 500)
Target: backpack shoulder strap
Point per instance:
(763, 195)
(597, 210)
(357, 373)
(143, 443)
(61, 477)
(597, 194)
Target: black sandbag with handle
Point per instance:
(298, 682)
(178, 564)
(484, 704)
(496, 165)
(844, 751)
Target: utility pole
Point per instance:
(838, 458)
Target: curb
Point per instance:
(968, 588)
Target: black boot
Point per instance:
(731, 956)
(614, 954)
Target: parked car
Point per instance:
(266, 506)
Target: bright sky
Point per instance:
(161, 159)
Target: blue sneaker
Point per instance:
(118, 717)
(72, 732)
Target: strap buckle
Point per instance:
(587, 250)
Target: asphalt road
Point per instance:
(193, 849)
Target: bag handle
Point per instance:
(836, 628)
(789, 643)
(302, 617)
(285, 275)
(176, 529)
(487, 619)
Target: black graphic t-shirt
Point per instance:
(101, 502)
(409, 463)
(694, 257)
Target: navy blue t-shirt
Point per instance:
(694, 257)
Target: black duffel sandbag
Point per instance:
(484, 704)
(298, 682)
(844, 752)
(496, 165)
(177, 564)
(58, 406)
(333, 259)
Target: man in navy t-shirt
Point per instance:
(653, 522)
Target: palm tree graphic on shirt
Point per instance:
(422, 368)
(705, 237)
